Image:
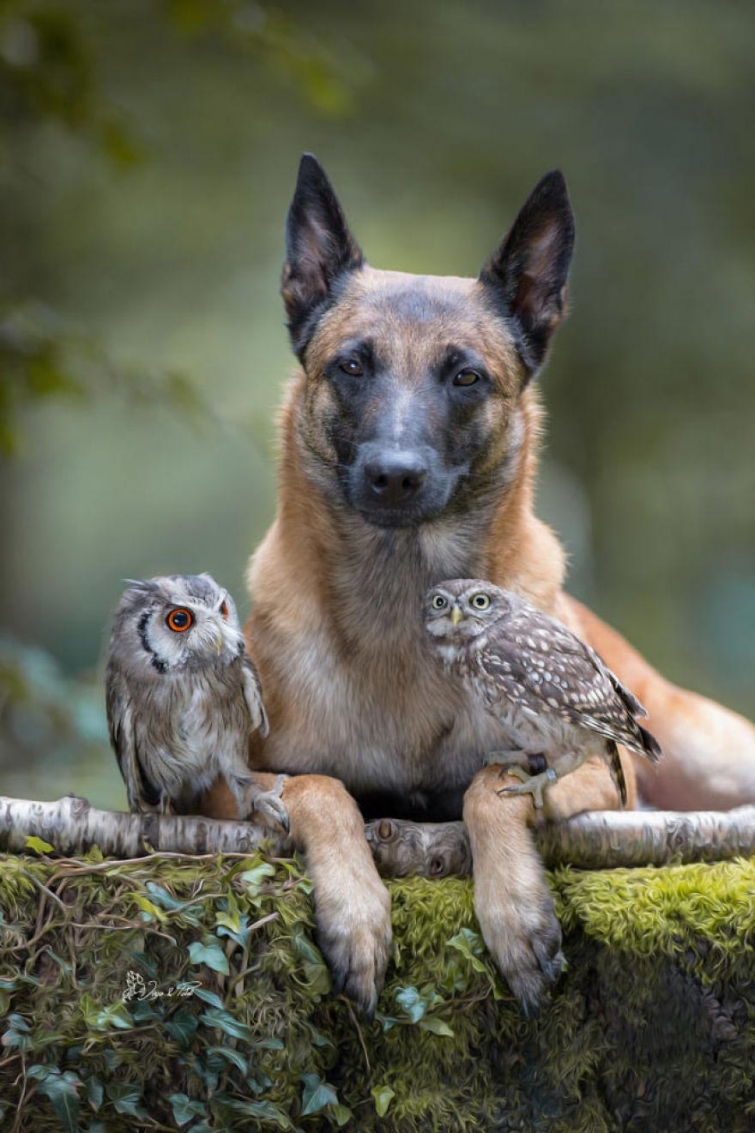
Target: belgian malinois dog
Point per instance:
(410, 445)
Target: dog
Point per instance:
(410, 440)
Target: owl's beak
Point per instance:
(456, 615)
(219, 644)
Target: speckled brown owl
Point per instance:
(183, 697)
(552, 694)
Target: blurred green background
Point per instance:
(148, 151)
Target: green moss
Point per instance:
(651, 1028)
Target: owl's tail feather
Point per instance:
(651, 747)
(617, 772)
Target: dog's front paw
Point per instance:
(354, 932)
(515, 910)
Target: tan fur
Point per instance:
(348, 684)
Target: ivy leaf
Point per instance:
(231, 1055)
(39, 1072)
(15, 1039)
(235, 927)
(38, 845)
(210, 953)
(470, 945)
(182, 1027)
(387, 1022)
(163, 898)
(436, 1025)
(315, 969)
(208, 996)
(95, 1093)
(184, 1108)
(317, 1094)
(148, 908)
(18, 1022)
(254, 878)
(228, 1024)
(411, 1001)
(383, 1096)
(99, 1018)
(126, 1097)
(62, 1090)
(230, 921)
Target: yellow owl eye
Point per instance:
(180, 619)
(480, 601)
(224, 611)
(439, 602)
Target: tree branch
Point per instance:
(600, 840)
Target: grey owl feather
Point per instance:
(553, 694)
(184, 697)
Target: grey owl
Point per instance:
(183, 697)
(552, 693)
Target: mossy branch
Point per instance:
(600, 840)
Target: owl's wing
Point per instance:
(121, 725)
(253, 696)
(538, 662)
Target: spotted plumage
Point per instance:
(183, 697)
(551, 691)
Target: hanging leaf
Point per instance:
(436, 1026)
(228, 1023)
(210, 953)
(383, 1096)
(317, 1094)
(184, 1108)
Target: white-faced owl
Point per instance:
(553, 695)
(183, 698)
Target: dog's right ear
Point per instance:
(319, 250)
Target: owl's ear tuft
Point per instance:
(526, 277)
(320, 250)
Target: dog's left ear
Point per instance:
(527, 275)
(319, 250)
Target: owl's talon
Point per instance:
(269, 806)
(531, 784)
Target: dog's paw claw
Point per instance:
(356, 940)
(526, 948)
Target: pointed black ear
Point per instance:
(319, 250)
(527, 275)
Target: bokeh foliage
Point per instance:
(147, 153)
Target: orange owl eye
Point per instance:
(224, 611)
(180, 619)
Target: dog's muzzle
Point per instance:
(397, 487)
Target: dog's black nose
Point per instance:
(394, 478)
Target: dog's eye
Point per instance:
(480, 601)
(466, 378)
(439, 602)
(352, 367)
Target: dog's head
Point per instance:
(413, 383)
